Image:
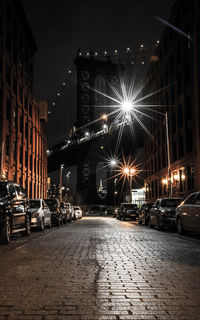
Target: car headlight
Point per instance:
(35, 214)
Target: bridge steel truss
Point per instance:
(88, 69)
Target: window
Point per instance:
(190, 174)
(21, 125)
(8, 109)
(190, 199)
(11, 189)
(21, 95)
(8, 75)
(7, 145)
(197, 199)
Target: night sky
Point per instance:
(61, 27)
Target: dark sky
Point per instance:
(61, 27)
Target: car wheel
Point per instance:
(6, 231)
(180, 228)
(146, 222)
(58, 222)
(150, 224)
(42, 225)
(64, 220)
(140, 221)
(27, 231)
(159, 226)
(49, 225)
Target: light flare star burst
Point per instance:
(128, 105)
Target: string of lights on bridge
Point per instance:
(115, 53)
(110, 53)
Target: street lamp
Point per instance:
(130, 171)
(168, 156)
(61, 169)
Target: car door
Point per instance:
(19, 214)
(186, 212)
(195, 214)
(47, 213)
(154, 212)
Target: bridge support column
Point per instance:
(86, 182)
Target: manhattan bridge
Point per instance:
(91, 125)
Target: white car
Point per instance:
(40, 213)
(78, 212)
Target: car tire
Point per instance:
(146, 222)
(180, 228)
(49, 225)
(6, 231)
(27, 230)
(159, 228)
(150, 224)
(42, 227)
(58, 222)
(140, 221)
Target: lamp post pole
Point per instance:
(168, 156)
(61, 169)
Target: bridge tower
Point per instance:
(90, 73)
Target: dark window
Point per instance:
(15, 86)
(21, 124)
(8, 109)
(7, 145)
(30, 110)
(11, 189)
(8, 76)
(21, 155)
(190, 199)
(190, 174)
(21, 95)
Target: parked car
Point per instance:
(56, 214)
(127, 211)
(162, 214)
(65, 212)
(143, 214)
(188, 214)
(78, 212)
(14, 215)
(70, 209)
(40, 213)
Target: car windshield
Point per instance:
(170, 202)
(129, 206)
(148, 205)
(76, 208)
(3, 190)
(34, 203)
(51, 202)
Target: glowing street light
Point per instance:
(130, 171)
(104, 117)
(127, 106)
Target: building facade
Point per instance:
(174, 80)
(23, 144)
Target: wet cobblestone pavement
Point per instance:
(100, 269)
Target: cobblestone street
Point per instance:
(100, 268)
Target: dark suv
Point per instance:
(162, 214)
(56, 213)
(127, 210)
(14, 215)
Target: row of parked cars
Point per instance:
(18, 214)
(166, 213)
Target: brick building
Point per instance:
(23, 142)
(177, 70)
